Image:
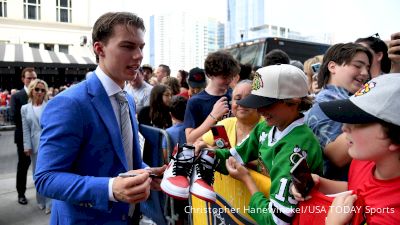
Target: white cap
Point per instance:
(377, 100)
(273, 83)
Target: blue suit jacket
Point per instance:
(80, 149)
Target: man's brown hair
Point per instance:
(104, 26)
(27, 69)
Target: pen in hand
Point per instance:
(152, 175)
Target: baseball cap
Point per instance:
(197, 78)
(148, 66)
(377, 100)
(273, 83)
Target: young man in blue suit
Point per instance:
(81, 149)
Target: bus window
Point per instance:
(234, 52)
(255, 52)
(251, 54)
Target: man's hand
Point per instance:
(132, 189)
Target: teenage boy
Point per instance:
(203, 110)
(212, 104)
(345, 68)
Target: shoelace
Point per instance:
(182, 167)
(205, 170)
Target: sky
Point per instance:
(346, 20)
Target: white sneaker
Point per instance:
(175, 182)
(203, 177)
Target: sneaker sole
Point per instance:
(204, 198)
(165, 188)
(203, 193)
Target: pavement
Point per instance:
(11, 212)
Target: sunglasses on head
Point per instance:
(40, 90)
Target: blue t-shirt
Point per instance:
(200, 105)
(176, 135)
(326, 129)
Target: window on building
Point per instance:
(64, 11)
(274, 30)
(49, 47)
(34, 45)
(3, 8)
(63, 48)
(32, 9)
(282, 32)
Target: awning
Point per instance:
(19, 55)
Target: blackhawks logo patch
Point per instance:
(257, 82)
(365, 89)
(297, 154)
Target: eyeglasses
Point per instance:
(30, 78)
(40, 90)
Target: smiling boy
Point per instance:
(344, 70)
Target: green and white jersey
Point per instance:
(278, 151)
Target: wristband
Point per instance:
(213, 117)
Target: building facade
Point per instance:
(60, 30)
(241, 17)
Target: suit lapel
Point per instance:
(102, 104)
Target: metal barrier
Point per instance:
(158, 207)
(5, 116)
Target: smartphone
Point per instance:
(301, 177)
(220, 136)
(315, 67)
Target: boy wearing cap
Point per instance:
(196, 81)
(372, 129)
(147, 72)
(280, 95)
